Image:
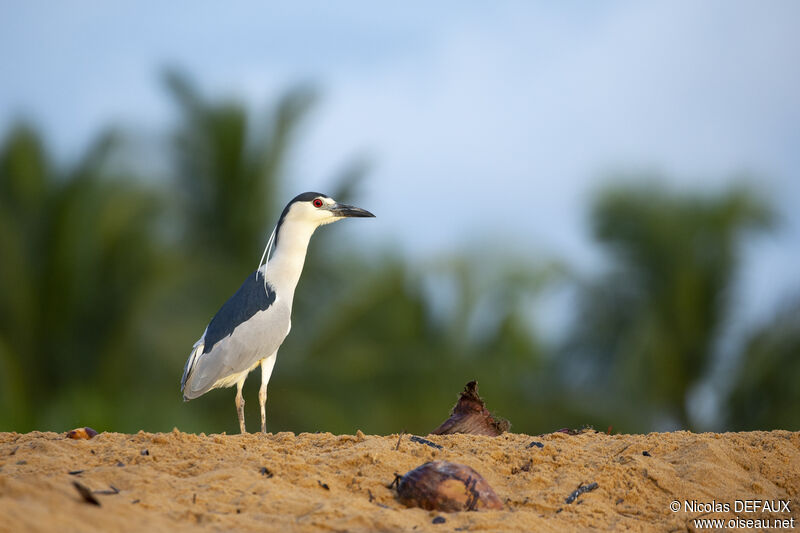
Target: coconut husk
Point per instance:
(448, 487)
(470, 416)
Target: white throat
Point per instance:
(285, 264)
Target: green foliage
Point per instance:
(382, 363)
(765, 394)
(228, 171)
(78, 260)
(650, 326)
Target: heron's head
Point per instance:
(304, 214)
(317, 209)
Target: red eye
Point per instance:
(317, 202)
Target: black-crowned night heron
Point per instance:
(250, 327)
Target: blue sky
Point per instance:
(483, 120)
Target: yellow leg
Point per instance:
(267, 365)
(240, 405)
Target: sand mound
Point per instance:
(322, 482)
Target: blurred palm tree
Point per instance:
(78, 262)
(764, 391)
(229, 171)
(646, 332)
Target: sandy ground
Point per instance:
(322, 482)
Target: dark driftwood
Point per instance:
(471, 416)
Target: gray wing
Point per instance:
(249, 327)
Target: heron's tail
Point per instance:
(197, 349)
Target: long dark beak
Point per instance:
(344, 210)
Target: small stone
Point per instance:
(81, 433)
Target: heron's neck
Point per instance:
(288, 256)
